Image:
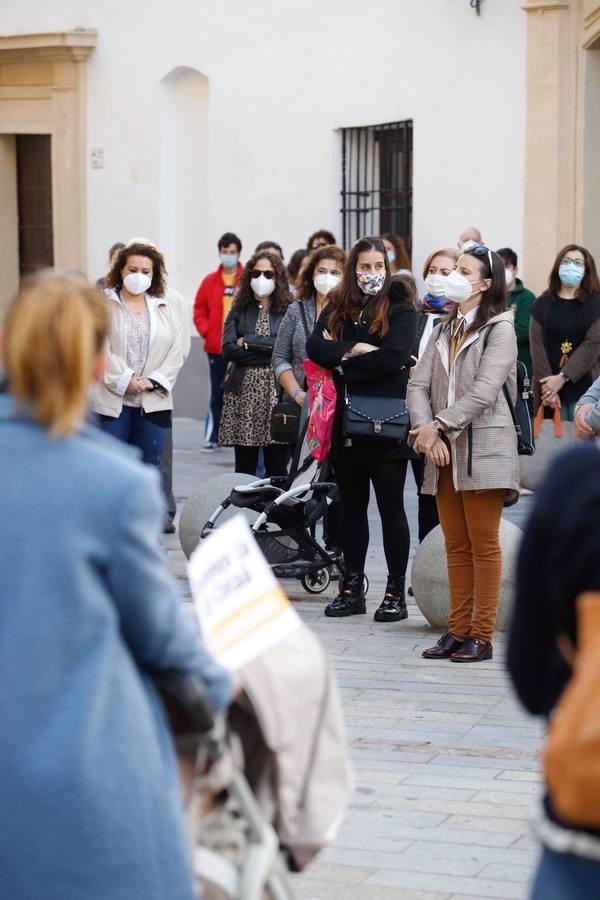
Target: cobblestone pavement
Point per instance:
(446, 763)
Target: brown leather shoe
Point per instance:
(445, 647)
(473, 650)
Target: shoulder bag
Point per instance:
(522, 412)
(286, 415)
(375, 418)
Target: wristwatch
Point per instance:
(438, 426)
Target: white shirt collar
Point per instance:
(470, 316)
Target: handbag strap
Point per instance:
(556, 421)
(304, 319)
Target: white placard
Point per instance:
(241, 607)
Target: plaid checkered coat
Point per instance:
(468, 397)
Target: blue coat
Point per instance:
(89, 798)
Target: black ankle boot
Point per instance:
(393, 607)
(351, 599)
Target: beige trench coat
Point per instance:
(165, 358)
(469, 393)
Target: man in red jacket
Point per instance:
(211, 306)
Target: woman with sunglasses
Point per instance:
(462, 422)
(564, 332)
(365, 335)
(249, 335)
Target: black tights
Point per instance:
(354, 479)
(246, 459)
(428, 514)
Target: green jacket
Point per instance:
(520, 300)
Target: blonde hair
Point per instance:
(54, 330)
(451, 252)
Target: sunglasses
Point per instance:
(269, 275)
(481, 250)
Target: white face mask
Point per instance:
(326, 282)
(262, 287)
(391, 255)
(136, 283)
(510, 277)
(435, 285)
(459, 288)
(468, 245)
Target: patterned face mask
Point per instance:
(370, 283)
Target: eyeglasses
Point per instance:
(481, 250)
(269, 275)
(569, 261)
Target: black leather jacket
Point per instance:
(242, 323)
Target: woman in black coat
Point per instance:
(250, 391)
(366, 335)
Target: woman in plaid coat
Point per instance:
(462, 422)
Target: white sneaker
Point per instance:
(209, 446)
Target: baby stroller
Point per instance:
(293, 510)
(269, 788)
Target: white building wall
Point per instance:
(281, 79)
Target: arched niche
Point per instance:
(184, 169)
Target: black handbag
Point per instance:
(375, 418)
(232, 382)
(285, 422)
(521, 412)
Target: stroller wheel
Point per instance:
(316, 582)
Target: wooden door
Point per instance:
(34, 190)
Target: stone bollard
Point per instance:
(430, 576)
(200, 505)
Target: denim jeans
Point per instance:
(563, 876)
(217, 368)
(134, 427)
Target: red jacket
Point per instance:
(208, 308)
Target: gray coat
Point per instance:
(290, 346)
(469, 393)
(592, 395)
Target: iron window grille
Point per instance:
(377, 181)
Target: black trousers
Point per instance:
(428, 514)
(354, 478)
(276, 456)
(216, 368)
(166, 473)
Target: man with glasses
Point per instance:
(519, 300)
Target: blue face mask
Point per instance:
(229, 260)
(570, 275)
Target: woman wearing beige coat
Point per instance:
(145, 352)
(462, 422)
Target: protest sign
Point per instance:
(241, 607)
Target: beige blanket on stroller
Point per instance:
(297, 759)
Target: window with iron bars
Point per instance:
(377, 181)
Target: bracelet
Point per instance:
(295, 392)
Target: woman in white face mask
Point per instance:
(320, 274)
(430, 310)
(135, 400)
(249, 335)
(462, 422)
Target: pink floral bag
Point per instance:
(322, 399)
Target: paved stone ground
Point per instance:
(446, 763)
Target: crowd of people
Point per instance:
(436, 376)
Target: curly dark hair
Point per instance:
(280, 298)
(304, 282)
(322, 234)
(158, 286)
